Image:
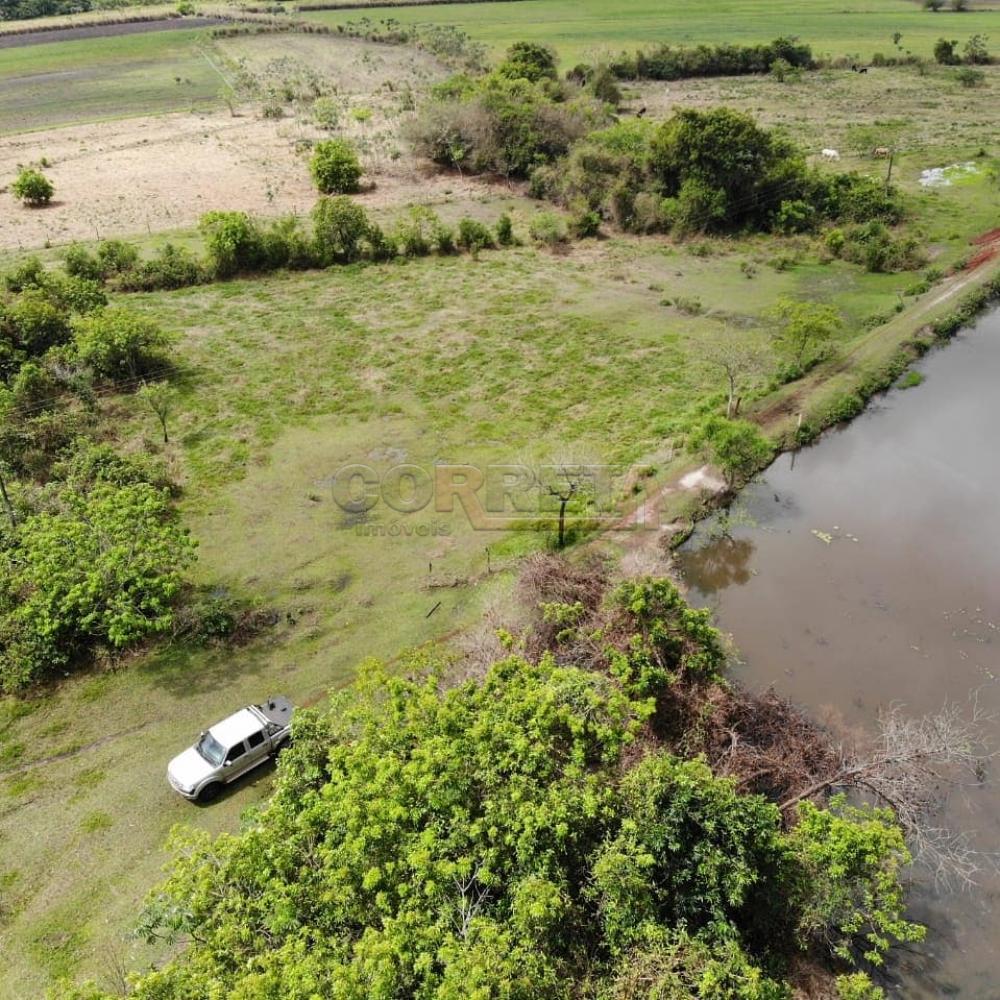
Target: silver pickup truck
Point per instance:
(231, 748)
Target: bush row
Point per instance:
(341, 232)
(664, 62)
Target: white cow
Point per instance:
(829, 154)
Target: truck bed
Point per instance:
(277, 710)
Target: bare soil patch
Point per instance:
(146, 175)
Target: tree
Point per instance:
(742, 365)
(32, 188)
(160, 398)
(335, 167)
(339, 227)
(565, 485)
(738, 447)
(103, 567)
(118, 343)
(804, 330)
(529, 61)
(724, 168)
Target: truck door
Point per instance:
(259, 747)
(237, 761)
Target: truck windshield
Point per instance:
(211, 749)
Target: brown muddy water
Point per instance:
(900, 602)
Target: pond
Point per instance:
(865, 571)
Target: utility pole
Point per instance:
(6, 500)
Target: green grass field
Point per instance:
(85, 80)
(581, 29)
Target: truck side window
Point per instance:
(236, 752)
(255, 740)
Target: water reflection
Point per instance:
(719, 563)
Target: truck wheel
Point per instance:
(210, 792)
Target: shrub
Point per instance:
(234, 243)
(339, 227)
(32, 187)
(548, 228)
(378, 246)
(335, 167)
(326, 113)
(118, 343)
(796, 216)
(529, 61)
(89, 464)
(73, 294)
(699, 207)
(874, 246)
(505, 231)
(851, 859)
(944, 52)
(28, 274)
(474, 236)
(667, 63)
(603, 86)
(80, 262)
(421, 231)
(499, 125)
(969, 77)
(586, 224)
(172, 267)
(116, 257)
(35, 323)
(285, 244)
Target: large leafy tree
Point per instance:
(104, 567)
(725, 169)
